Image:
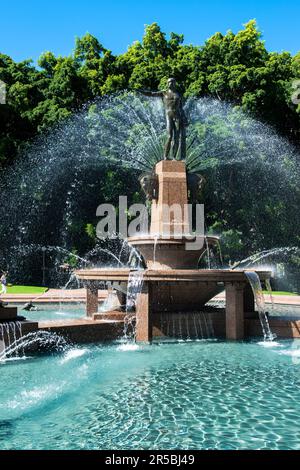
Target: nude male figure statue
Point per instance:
(176, 120)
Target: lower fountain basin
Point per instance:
(173, 290)
(172, 253)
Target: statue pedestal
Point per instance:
(169, 244)
(169, 214)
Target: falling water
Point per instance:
(2, 339)
(7, 335)
(154, 251)
(269, 290)
(255, 283)
(10, 333)
(121, 252)
(134, 288)
(207, 253)
(187, 325)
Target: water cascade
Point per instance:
(255, 283)
(134, 288)
(9, 332)
(187, 326)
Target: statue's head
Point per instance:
(172, 83)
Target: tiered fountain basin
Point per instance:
(168, 253)
(172, 284)
(169, 258)
(177, 291)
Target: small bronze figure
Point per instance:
(149, 184)
(196, 184)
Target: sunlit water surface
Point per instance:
(180, 395)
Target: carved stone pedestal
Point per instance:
(144, 315)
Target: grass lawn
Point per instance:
(41, 290)
(26, 290)
(279, 292)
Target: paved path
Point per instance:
(78, 295)
(51, 296)
(74, 322)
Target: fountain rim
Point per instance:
(173, 275)
(162, 239)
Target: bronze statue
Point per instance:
(149, 184)
(176, 120)
(196, 184)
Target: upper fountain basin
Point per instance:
(162, 253)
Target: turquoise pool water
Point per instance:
(54, 312)
(183, 395)
(65, 311)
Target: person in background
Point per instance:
(3, 281)
(29, 307)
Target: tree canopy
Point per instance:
(232, 67)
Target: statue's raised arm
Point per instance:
(153, 94)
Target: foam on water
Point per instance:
(73, 354)
(34, 397)
(128, 347)
(269, 344)
(292, 353)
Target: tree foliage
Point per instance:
(232, 67)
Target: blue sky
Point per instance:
(30, 27)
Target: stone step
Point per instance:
(113, 315)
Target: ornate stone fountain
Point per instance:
(172, 282)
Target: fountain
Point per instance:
(189, 396)
(56, 181)
(172, 282)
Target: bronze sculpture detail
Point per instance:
(149, 184)
(176, 120)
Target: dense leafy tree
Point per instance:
(233, 67)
